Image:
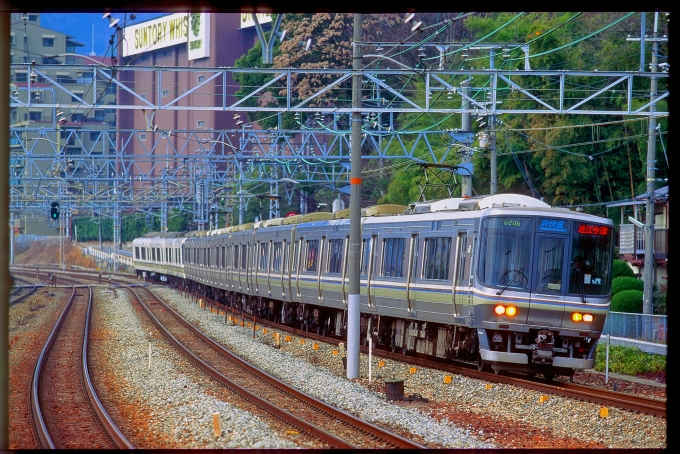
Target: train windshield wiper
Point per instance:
(517, 273)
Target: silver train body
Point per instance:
(485, 279)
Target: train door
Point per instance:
(320, 266)
(367, 266)
(297, 265)
(412, 271)
(550, 268)
(462, 279)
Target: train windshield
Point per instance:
(505, 259)
(591, 259)
(572, 252)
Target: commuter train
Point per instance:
(485, 279)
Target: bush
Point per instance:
(626, 283)
(628, 360)
(628, 301)
(660, 294)
(621, 268)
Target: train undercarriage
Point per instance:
(446, 342)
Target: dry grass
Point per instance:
(47, 253)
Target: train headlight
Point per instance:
(578, 317)
(510, 311)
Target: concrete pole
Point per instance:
(648, 272)
(354, 297)
(5, 279)
(492, 136)
(465, 125)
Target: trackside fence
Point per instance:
(642, 327)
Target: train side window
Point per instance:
(153, 254)
(264, 256)
(137, 252)
(393, 257)
(463, 259)
(158, 254)
(244, 256)
(286, 255)
(276, 256)
(365, 255)
(437, 258)
(143, 253)
(335, 252)
(312, 255)
(235, 264)
(296, 248)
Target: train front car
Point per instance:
(543, 289)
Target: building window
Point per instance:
(64, 79)
(166, 93)
(143, 95)
(94, 135)
(200, 124)
(110, 89)
(99, 115)
(76, 97)
(48, 42)
(21, 77)
(34, 116)
(77, 117)
(201, 79)
(11, 39)
(142, 137)
(50, 61)
(33, 18)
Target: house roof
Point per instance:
(659, 196)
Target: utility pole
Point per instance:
(647, 297)
(650, 264)
(465, 125)
(354, 270)
(492, 134)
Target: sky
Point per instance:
(79, 25)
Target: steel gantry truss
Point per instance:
(191, 168)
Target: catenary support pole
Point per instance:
(5, 279)
(648, 271)
(354, 297)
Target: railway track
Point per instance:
(66, 411)
(603, 397)
(334, 427)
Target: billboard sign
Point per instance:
(191, 29)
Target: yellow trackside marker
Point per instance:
(264, 331)
(381, 363)
(487, 386)
(275, 335)
(447, 379)
(316, 346)
(604, 412)
(302, 341)
(287, 338)
(542, 399)
(335, 353)
(216, 424)
(292, 432)
(249, 325)
(412, 370)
